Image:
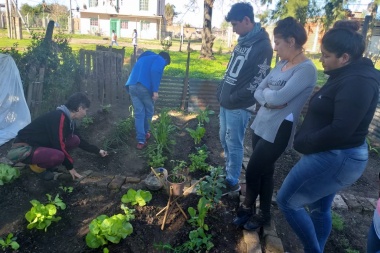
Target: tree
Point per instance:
(207, 36)
(170, 13)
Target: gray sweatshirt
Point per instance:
(292, 87)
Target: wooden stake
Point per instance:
(167, 209)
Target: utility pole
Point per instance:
(70, 20)
(9, 23)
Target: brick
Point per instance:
(367, 206)
(103, 182)
(372, 201)
(116, 183)
(133, 180)
(352, 202)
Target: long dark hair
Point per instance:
(344, 38)
(290, 28)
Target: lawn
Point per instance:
(199, 68)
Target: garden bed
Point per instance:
(87, 201)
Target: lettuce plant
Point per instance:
(104, 229)
(41, 216)
(8, 173)
(139, 197)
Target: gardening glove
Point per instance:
(103, 153)
(75, 174)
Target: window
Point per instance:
(145, 25)
(94, 22)
(93, 3)
(144, 5)
(124, 24)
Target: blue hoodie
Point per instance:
(148, 71)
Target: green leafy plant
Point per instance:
(87, 121)
(179, 167)
(139, 197)
(203, 116)
(9, 242)
(372, 148)
(8, 174)
(118, 136)
(162, 131)
(67, 189)
(176, 178)
(197, 134)
(41, 216)
(198, 160)
(104, 229)
(211, 187)
(337, 221)
(156, 158)
(197, 219)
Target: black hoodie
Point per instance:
(249, 64)
(340, 112)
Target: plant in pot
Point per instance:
(177, 178)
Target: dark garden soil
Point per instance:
(88, 201)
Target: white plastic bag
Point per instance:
(14, 112)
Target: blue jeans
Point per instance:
(373, 241)
(233, 124)
(143, 109)
(313, 182)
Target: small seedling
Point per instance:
(67, 189)
(9, 242)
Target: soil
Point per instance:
(87, 201)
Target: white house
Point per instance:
(123, 16)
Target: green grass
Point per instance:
(199, 68)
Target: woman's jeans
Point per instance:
(313, 182)
(260, 169)
(50, 157)
(373, 241)
(233, 124)
(143, 109)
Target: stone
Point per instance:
(133, 180)
(367, 206)
(372, 201)
(338, 203)
(252, 239)
(273, 244)
(116, 182)
(352, 202)
(104, 181)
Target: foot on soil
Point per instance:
(141, 145)
(229, 188)
(257, 221)
(242, 216)
(147, 136)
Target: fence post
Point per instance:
(186, 80)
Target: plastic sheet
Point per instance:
(14, 111)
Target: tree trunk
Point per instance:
(207, 37)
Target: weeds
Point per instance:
(337, 222)
(87, 121)
(198, 160)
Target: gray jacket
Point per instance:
(292, 87)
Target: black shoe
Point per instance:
(242, 216)
(257, 221)
(229, 188)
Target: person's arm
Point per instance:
(85, 145)
(302, 78)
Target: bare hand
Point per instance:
(75, 174)
(155, 96)
(103, 153)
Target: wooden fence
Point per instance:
(103, 78)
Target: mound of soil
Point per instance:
(87, 201)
